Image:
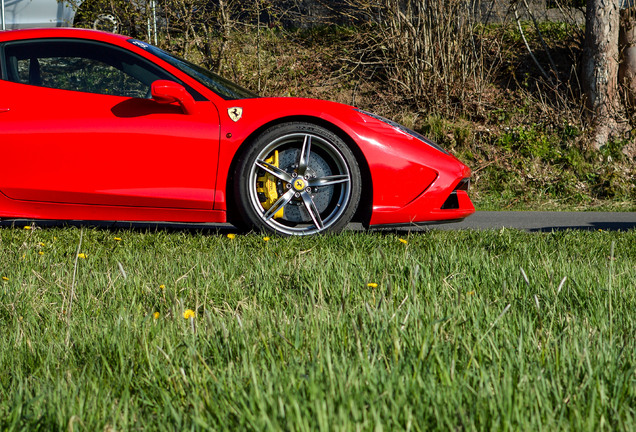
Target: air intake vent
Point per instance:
(452, 203)
(463, 185)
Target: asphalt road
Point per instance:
(545, 221)
(532, 221)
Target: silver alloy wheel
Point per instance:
(313, 184)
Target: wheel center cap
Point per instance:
(299, 184)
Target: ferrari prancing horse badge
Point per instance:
(235, 113)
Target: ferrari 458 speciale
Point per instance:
(98, 126)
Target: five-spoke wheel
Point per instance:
(297, 179)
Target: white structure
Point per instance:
(36, 13)
(16, 14)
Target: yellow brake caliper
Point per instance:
(267, 186)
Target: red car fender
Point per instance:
(400, 165)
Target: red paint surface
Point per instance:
(74, 155)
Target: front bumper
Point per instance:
(445, 200)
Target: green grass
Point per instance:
(496, 330)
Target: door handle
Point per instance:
(4, 110)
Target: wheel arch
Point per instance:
(363, 213)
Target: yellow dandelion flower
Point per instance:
(4, 278)
(189, 313)
(162, 287)
(156, 315)
(41, 244)
(470, 293)
(231, 236)
(28, 227)
(404, 241)
(81, 255)
(40, 253)
(266, 239)
(372, 285)
(117, 238)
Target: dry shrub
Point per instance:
(431, 51)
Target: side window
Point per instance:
(81, 66)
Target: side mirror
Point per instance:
(167, 92)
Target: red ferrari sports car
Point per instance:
(98, 126)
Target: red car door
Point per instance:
(79, 131)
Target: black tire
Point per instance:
(316, 183)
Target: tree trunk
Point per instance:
(627, 68)
(627, 47)
(600, 68)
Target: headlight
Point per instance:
(403, 129)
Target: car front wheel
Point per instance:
(297, 179)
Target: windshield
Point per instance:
(219, 85)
